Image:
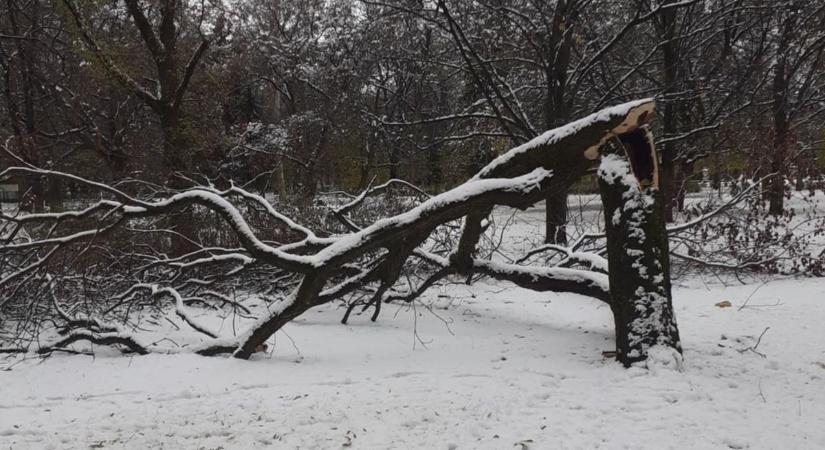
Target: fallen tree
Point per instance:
(58, 254)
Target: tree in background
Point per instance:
(163, 28)
(795, 91)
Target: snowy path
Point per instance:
(517, 372)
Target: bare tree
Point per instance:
(172, 76)
(798, 48)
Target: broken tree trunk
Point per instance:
(638, 261)
(331, 268)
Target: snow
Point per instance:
(615, 169)
(663, 357)
(498, 369)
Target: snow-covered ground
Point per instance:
(501, 368)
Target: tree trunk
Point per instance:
(716, 173)
(367, 162)
(175, 150)
(781, 121)
(557, 109)
(556, 217)
(670, 60)
(681, 184)
(31, 190)
(53, 195)
(800, 175)
(280, 179)
(19, 90)
(638, 260)
(776, 185)
(668, 182)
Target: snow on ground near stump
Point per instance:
(520, 370)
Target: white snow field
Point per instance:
(502, 368)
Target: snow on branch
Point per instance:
(122, 339)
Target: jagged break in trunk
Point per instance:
(637, 246)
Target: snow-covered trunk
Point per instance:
(639, 269)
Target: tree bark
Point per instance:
(681, 185)
(776, 186)
(557, 110)
(20, 92)
(556, 216)
(781, 121)
(638, 261)
(670, 60)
